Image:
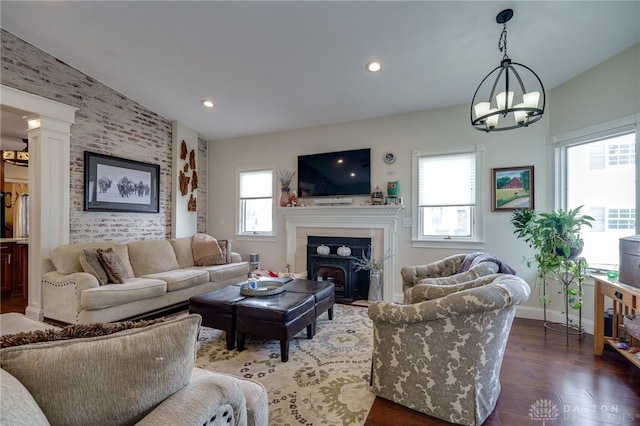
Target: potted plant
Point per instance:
(374, 266)
(556, 237)
(285, 176)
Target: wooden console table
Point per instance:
(626, 301)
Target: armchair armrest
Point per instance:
(441, 268)
(207, 396)
(434, 288)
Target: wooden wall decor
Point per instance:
(192, 205)
(194, 181)
(183, 150)
(192, 159)
(184, 183)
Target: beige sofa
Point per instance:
(142, 376)
(164, 276)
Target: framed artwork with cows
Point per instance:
(118, 184)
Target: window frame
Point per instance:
(557, 149)
(476, 240)
(260, 236)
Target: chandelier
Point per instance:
(18, 158)
(503, 103)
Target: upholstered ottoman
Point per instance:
(323, 291)
(218, 310)
(280, 316)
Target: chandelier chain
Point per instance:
(502, 41)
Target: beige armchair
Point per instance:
(455, 269)
(443, 356)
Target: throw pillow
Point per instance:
(134, 369)
(206, 251)
(111, 263)
(73, 331)
(91, 264)
(225, 250)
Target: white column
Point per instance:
(49, 133)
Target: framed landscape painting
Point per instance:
(118, 184)
(512, 188)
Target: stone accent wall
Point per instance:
(202, 185)
(107, 122)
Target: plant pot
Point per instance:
(375, 285)
(573, 251)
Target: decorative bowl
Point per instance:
(261, 288)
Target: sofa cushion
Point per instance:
(113, 265)
(207, 251)
(183, 250)
(17, 406)
(151, 256)
(181, 278)
(66, 258)
(226, 271)
(119, 294)
(91, 264)
(134, 370)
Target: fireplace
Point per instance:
(349, 284)
(379, 223)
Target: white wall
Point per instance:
(401, 134)
(184, 222)
(441, 128)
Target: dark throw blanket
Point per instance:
(472, 259)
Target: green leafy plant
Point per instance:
(556, 238)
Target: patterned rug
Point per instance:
(325, 381)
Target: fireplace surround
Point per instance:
(379, 223)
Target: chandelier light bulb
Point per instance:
(520, 116)
(492, 120)
(531, 99)
(500, 99)
(481, 108)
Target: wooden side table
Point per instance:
(626, 301)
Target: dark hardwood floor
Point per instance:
(538, 368)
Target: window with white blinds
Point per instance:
(447, 180)
(446, 204)
(255, 194)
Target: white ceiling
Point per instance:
(273, 66)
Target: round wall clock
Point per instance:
(389, 157)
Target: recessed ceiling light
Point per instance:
(208, 103)
(374, 66)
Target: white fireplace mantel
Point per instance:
(378, 222)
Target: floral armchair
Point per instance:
(455, 269)
(443, 356)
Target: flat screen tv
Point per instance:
(332, 174)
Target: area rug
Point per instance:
(325, 381)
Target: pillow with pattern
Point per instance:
(113, 265)
(73, 331)
(91, 264)
(225, 251)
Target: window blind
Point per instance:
(256, 184)
(447, 180)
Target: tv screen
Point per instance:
(335, 173)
